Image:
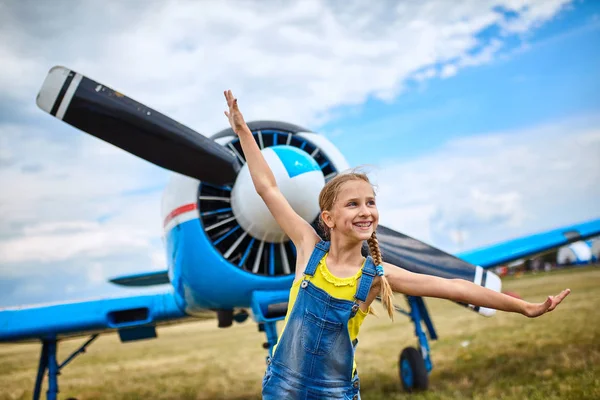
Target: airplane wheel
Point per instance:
(413, 373)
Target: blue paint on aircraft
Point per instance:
(61, 320)
(199, 272)
(502, 253)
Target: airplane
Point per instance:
(225, 251)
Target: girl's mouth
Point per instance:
(363, 225)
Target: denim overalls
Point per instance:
(314, 356)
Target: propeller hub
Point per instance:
(300, 180)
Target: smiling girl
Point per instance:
(335, 285)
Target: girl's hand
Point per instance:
(236, 119)
(535, 310)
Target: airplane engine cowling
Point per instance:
(232, 218)
(299, 179)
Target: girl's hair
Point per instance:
(327, 198)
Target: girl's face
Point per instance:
(354, 213)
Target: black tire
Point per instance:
(411, 367)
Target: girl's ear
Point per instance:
(327, 219)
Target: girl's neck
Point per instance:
(344, 252)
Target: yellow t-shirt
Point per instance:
(341, 288)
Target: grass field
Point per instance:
(504, 357)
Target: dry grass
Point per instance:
(507, 356)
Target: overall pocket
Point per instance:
(319, 335)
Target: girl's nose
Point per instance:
(364, 210)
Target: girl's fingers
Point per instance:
(231, 101)
(556, 300)
(550, 304)
(563, 294)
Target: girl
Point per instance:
(335, 285)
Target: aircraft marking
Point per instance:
(178, 211)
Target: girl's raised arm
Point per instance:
(301, 233)
(463, 291)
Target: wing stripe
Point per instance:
(478, 273)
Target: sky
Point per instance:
(478, 120)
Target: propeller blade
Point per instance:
(117, 119)
(416, 256)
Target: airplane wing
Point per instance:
(501, 253)
(131, 316)
(422, 258)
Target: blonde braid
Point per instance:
(386, 293)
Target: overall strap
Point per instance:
(366, 280)
(320, 249)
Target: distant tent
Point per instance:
(575, 253)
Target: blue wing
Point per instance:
(502, 253)
(87, 317)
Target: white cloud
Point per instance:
(87, 204)
(91, 241)
(484, 56)
(158, 259)
(428, 73)
(495, 187)
(532, 14)
(78, 179)
(59, 227)
(95, 274)
(289, 60)
(449, 70)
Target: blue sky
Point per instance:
(479, 120)
(548, 75)
(544, 78)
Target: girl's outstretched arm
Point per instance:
(299, 231)
(463, 291)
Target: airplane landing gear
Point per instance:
(48, 363)
(413, 373)
(415, 365)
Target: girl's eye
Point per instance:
(371, 202)
(351, 204)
